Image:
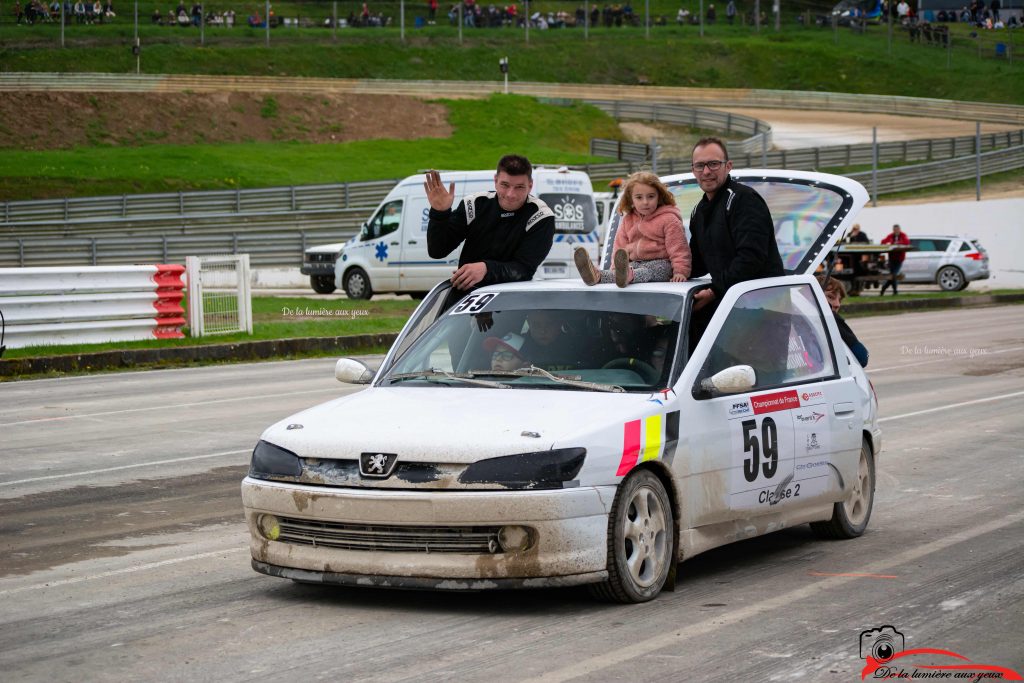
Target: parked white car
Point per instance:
(950, 261)
(615, 452)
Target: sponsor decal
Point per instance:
(811, 395)
(506, 214)
(648, 438)
(812, 442)
(812, 417)
(382, 252)
(770, 403)
(883, 650)
(660, 397)
(740, 408)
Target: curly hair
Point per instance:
(665, 195)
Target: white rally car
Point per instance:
(551, 434)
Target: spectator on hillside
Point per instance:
(19, 14)
(108, 9)
(595, 16)
(197, 14)
(995, 6)
(79, 12)
(903, 11)
(712, 15)
(431, 12)
(682, 16)
(581, 16)
(730, 11)
(229, 18)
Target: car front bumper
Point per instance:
(317, 269)
(569, 529)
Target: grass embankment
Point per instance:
(273, 318)
(484, 130)
(796, 58)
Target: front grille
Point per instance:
(425, 539)
(322, 258)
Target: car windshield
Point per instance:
(573, 341)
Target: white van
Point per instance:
(390, 252)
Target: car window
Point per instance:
(779, 332)
(929, 244)
(630, 342)
(386, 221)
(965, 246)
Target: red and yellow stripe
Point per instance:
(642, 440)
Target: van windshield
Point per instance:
(574, 213)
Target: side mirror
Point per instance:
(351, 371)
(734, 380)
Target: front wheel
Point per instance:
(951, 279)
(322, 284)
(357, 284)
(640, 541)
(850, 517)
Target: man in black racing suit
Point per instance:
(507, 232)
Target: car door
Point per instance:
(790, 439)
(380, 245)
(418, 272)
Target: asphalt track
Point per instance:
(124, 556)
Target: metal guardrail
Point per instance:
(240, 203)
(285, 248)
(721, 97)
(758, 133)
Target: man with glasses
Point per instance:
(732, 233)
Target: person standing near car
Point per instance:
(896, 238)
(731, 228)
(506, 234)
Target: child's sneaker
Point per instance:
(588, 271)
(621, 263)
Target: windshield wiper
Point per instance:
(534, 371)
(433, 374)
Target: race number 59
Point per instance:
(473, 303)
(756, 449)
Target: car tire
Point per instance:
(322, 284)
(850, 517)
(641, 543)
(950, 279)
(357, 284)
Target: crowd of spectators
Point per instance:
(80, 12)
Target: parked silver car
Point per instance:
(952, 262)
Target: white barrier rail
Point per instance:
(87, 305)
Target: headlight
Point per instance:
(270, 462)
(540, 470)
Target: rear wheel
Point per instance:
(640, 541)
(322, 284)
(850, 517)
(357, 284)
(951, 279)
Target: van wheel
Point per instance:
(357, 284)
(850, 518)
(640, 542)
(951, 279)
(322, 284)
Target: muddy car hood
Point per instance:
(452, 425)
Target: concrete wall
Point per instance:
(997, 223)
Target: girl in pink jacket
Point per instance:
(650, 245)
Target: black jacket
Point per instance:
(733, 238)
(512, 243)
